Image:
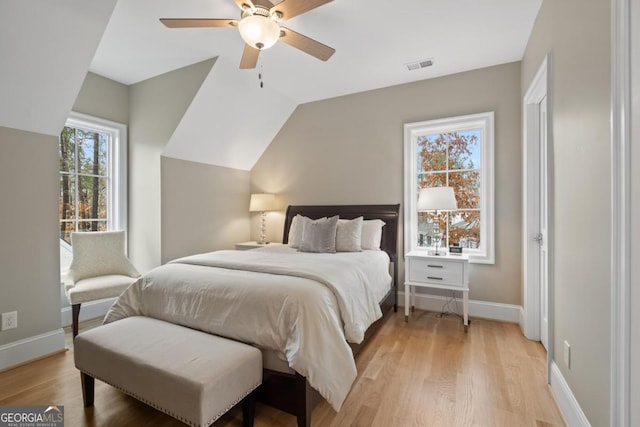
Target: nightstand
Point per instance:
(252, 245)
(450, 272)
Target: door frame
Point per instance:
(538, 89)
(621, 213)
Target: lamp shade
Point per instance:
(262, 202)
(436, 199)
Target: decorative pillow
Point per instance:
(372, 234)
(99, 254)
(319, 235)
(349, 235)
(295, 230)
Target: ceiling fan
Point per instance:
(260, 28)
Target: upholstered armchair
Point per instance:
(99, 269)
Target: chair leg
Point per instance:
(88, 386)
(75, 316)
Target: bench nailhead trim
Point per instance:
(178, 417)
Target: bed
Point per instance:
(308, 333)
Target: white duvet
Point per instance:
(304, 306)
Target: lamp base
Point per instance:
(263, 228)
(438, 253)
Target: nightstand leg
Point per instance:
(407, 297)
(413, 299)
(465, 308)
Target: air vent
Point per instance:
(420, 64)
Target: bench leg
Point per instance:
(75, 316)
(249, 409)
(88, 386)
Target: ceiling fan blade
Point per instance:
(290, 8)
(241, 3)
(267, 4)
(198, 23)
(305, 44)
(249, 57)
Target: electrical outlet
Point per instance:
(9, 320)
(567, 354)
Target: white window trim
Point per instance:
(484, 121)
(116, 167)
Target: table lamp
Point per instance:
(262, 203)
(436, 199)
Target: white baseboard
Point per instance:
(88, 310)
(486, 310)
(567, 402)
(18, 352)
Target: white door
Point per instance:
(537, 215)
(542, 237)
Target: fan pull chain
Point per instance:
(260, 76)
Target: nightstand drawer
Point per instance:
(436, 271)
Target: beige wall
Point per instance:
(29, 254)
(104, 98)
(204, 208)
(156, 107)
(577, 33)
(349, 150)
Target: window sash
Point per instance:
(116, 180)
(485, 253)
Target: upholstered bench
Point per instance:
(191, 375)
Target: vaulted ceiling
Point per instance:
(374, 39)
(46, 49)
(231, 120)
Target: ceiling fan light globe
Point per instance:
(259, 31)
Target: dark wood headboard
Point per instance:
(388, 213)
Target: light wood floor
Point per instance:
(424, 373)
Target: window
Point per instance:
(455, 152)
(92, 176)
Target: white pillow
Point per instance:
(319, 235)
(349, 235)
(99, 254)
(372, 234)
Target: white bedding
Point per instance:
(304, 306)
